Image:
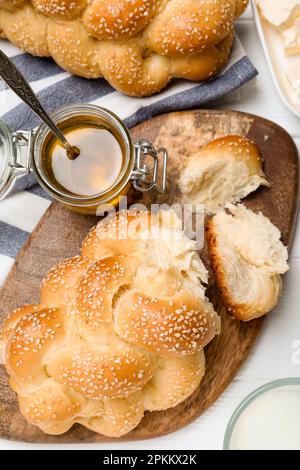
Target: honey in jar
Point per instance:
(97, 167)
(100, 174)
(109, 162)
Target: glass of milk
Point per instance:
(268, 418)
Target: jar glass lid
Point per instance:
(7, 152)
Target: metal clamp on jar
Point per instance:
(24, 151)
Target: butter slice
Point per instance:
(280, 13)
(291, 39)
(292, 74)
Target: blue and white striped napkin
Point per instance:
(20, 213)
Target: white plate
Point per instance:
(277, 61)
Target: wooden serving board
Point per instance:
(60, 232)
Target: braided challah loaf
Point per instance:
(119, 329)
(138, 46)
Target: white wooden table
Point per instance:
(272, 356)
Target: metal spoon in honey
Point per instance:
(15, 80)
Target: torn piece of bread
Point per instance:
(138, 46)
(247, 258)
(224, 171)
(291, 39)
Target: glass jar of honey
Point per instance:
(108, 164)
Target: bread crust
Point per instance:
(138, 46)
